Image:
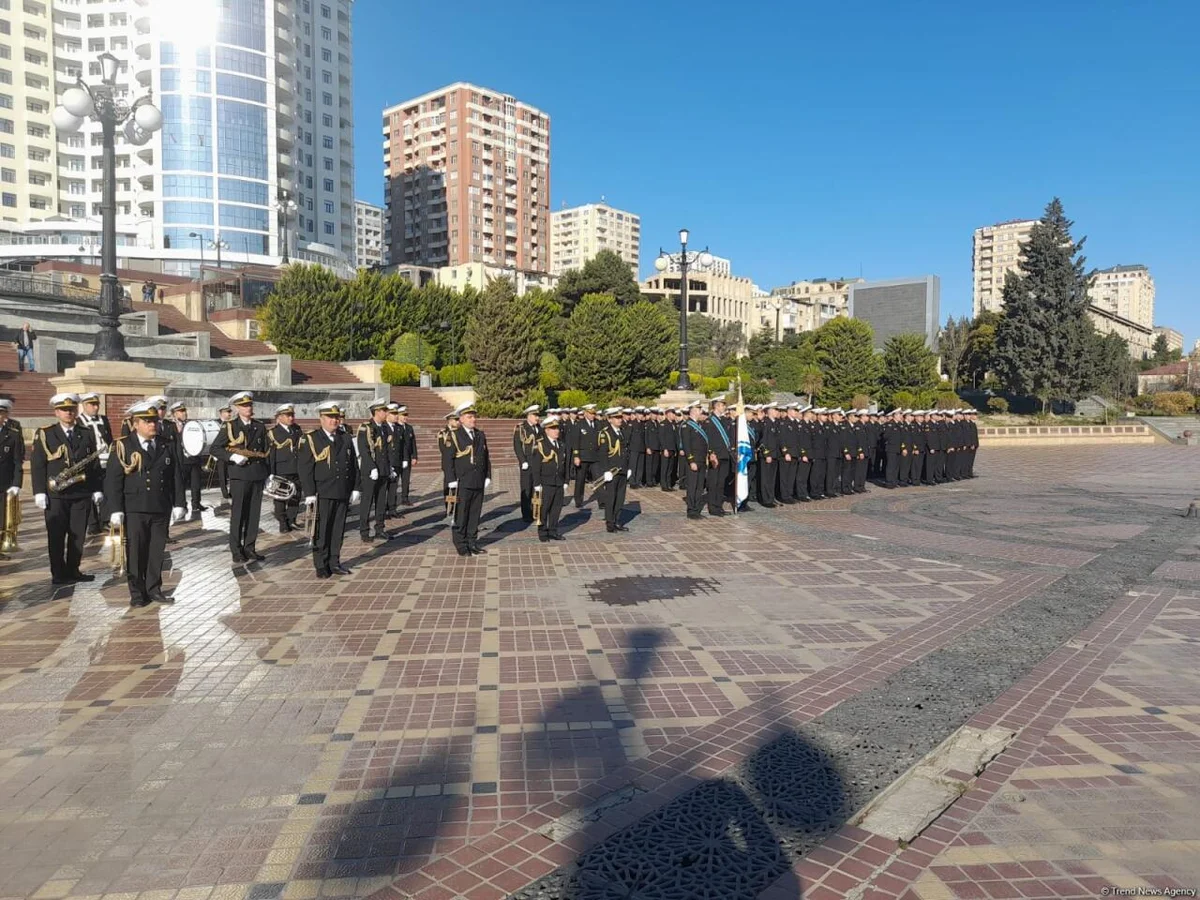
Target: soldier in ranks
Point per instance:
(972, 444)
(193, 466)
(754, 432)
(613, 444)
(470, 473)
(525, 436)
(635, 427)
(328, 471)
(802, 448)
(894, 447)
(584, 454)
(720, 450)
(668, 441)
(285, 437)
(785, 445)
(394, 441)
(445, 452)
(550, 478)
(694, 456)
(904, 429)
(144, 492)
(862, 449)
(818, 446)
(871, 427)
(166, 425)
(770, 455)
(12, 461)
(374, 473)
(224, 414)
(918, 447)
(12, 423)
(408, 452)
(55, 448)
(653, 446)
(243, 445)
(90, 417)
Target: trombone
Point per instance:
(114, 542)
(451, 500)
(12, 522)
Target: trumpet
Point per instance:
(310, 525)
(114, 542)
(12, 521)
(451, 500)
(537, 507)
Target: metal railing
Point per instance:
(48, 287)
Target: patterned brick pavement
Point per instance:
(411, 728)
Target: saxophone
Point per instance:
(74, 474)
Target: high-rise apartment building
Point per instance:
(368, 227)
(579, 233)
(256, 98)
(1125, 291)
(807, 305)
(1174, 338)
(467, 179)
(996, 252)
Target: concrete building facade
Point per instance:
(1125, 291)
(467, 179)
(478, 274)
(808, 304)
(726, 298)
(1174, 338)
(898, 306)
(1139, 337)
(368, 235)
(996, 251)
(577, 234)
(256, 98)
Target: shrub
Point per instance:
(400, 373)
(860, 401)
(997, 405)
(1174, 403)
(705, 366)
(463, 373)
(904, 400)
(572, 398)
(646, 388)
(499, 409)
(711, 386)
(550, 375)
(946, 400)
(755, 391)
(410, 347)
(536, 395)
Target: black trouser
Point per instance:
(374, 493)
(612, 498)
(816, 479)
(787, 479)
(223, 478)
(96, 518)
(860, 473)
(666, 472)
(803, 473)
(717, 478)
(970, 467)
(752, 476)
(653, 458)
(695, 488)
(767, 478)
(393, 493)
(145, 548)
(638, 464)
(328, 533)
(583, 474)
(243, 518)
(466, 518)
(552, 504)
(833, 475)
(891, 469)
(903, 468)
(526, 495)
(286, 512)
(916, 464)
(848, 468)
(66, 530)
(192, 478)
(405, 481)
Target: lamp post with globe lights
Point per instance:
(695, 259)
(141, 120)
(287, 207)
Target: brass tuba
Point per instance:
(12, 522)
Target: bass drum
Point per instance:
(198, 436)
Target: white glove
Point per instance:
(524, 466)
(104, 457)
(608, 476)
(355, 496)
(404, 464)
(452, 484)
(374, 474)
(395, 474)
(98, 498)
(177, 514)
(629, 473)
(487, 483)
(537, 489)
(116, 519)
(310, 501)
(237, 459)
(40, 501)
(14, 490)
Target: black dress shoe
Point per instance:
(285, 527)
(138, 602)
(621, 527)
(79, 576)
(611, 529)
(463, 551)
(717, 512)
(160, 597)
(61, 582)
(199, 508)
(557, 537)
(544, 538)
(322, 574)
(768, 505)
(341, 570)
(694, 516)
(477, 550)
(254, 555)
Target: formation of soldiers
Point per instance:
(140, 481)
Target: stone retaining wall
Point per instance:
(1061, 435)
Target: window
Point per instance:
(327, 142)
(241, 87)
(327, 120)
(181, 212)
(326, 55)
(187, 133)
(328, 206)
(242, 145)
(328, 164)
(8, 176)
(328, 185)
(8, 151)
(241, 61)
(243, 24)
(197, 186)
(326, 76)
(327, 98)
(6, 101)
(329, 228)
(243, 217)
(326, 33)
(10, 199)
(324, 11)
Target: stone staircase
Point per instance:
(30, 392)
(1172, 427)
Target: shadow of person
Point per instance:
(630, 512)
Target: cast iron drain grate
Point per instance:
(631, 590)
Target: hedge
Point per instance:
(1174, 403)
(572, 398)
(462, 373)
(400, 373)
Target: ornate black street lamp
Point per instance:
(286, 207)
(695, 259)
(140, 119)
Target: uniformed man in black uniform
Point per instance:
(550, 478)
(635, 433)
(470, 473)
(243, 445)
(695, 459)
(408, 452)
(285, 437)
(193, 466)
(444, 450)
(720, 449)
(90, 417)
(56, 448)
(143, 490)
(668, 441)
(12, 460)
(613, 444)
(328, 467)
(854, 477)
(374, 473)
(769, 456)
(894, 448)
(584, 455)
(225, 413)
(972, 445)
(818, 436)
(525, 436)
(394, 440)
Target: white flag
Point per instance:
(745, 452)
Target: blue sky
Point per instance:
(826, 139)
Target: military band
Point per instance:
(469, 474)
(242, 445)
(373, 444)
(525, 436)
(549, 468)
(285, 438)
(12, 464)
(90, 417)
(328, 466)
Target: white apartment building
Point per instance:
(478, 275)
(1126, 291)
(577, 234)
(368, 230)
(467, 179)
(724, 297)
(256, 98)
(996, 250)
(806, 305)
(1174, 337)
(720, 265)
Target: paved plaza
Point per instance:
(689, 709)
